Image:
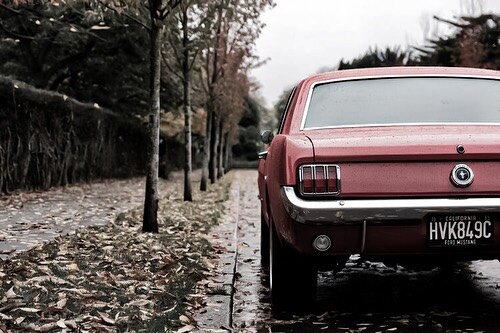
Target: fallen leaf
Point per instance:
(106, 318)
(5, 317)
(184, 319)
(141, 302)
(187, 328)
(10, 293)
(62, 303)
(30, 310)
(60, 323)
(72, 267)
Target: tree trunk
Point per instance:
(188, 195)
(150, 219)
(228, 153)
(214, 148)
(206, 149)
(220, 165)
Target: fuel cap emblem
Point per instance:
(462, 175)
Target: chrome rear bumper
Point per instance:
(348, 211)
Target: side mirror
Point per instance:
(267, 136)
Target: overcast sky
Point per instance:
(302, 36)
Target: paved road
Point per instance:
(364, 297)
(30, 218)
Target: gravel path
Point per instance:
(30, 218)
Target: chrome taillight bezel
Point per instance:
(326, 173)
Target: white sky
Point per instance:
(302, 36)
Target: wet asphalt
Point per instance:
(364, 296)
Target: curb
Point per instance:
(216, 315)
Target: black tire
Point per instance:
(264, 243)
(293, 278)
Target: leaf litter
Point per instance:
(114, 278)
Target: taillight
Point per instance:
(319, 179)
(307, 183)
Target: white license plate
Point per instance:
(459, 230)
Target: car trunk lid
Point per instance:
(410, 161)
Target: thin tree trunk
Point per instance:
(211, 162)
(150, 220)
(215, 147)
(220, 165)
(206, 150)
(212, 80)
(188, 195)
(227, 154)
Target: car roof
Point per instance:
(401, 71)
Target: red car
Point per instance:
(400, 165)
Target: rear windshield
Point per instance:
(404, 100)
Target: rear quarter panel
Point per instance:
(285, 155)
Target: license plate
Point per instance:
(459, 230)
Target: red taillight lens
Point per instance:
(332, 179)
(307, 183)
(319, 179)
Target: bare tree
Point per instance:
(194, 23)
(237, 25)
(158, 11)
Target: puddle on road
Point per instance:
(369, 297)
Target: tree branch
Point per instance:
(455, 24)
(195, 55)
(15, 34)
(172, 70)
(165, 11)
(130, 17)
(177, 56)
(421, 50)
(66, 62)
(12, 10)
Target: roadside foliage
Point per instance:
(98, 52)
(114, 278)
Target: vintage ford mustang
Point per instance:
(400, 165)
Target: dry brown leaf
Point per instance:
(5, 317)
(184, 319)
(10, 293)
(187, 328)
(61, 303)
(60, 323)
(30, 310)
(71, 323)
(141, 302)
(106, 318)
(72, 266)
(98, 305)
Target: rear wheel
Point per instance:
(292, 277)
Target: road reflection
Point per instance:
(364, 297)
(369, 297)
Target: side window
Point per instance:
(285, 110)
